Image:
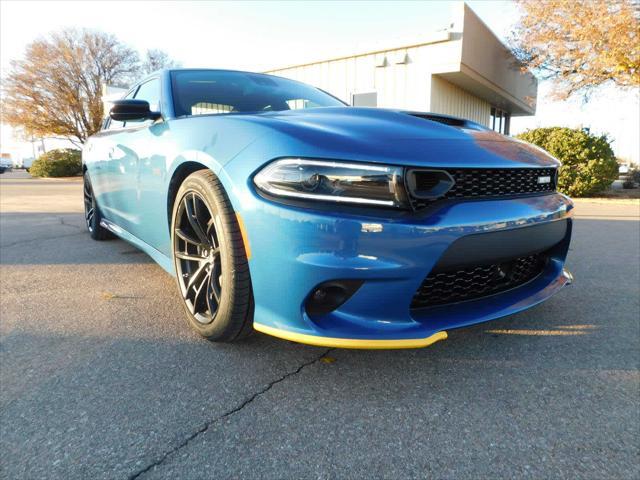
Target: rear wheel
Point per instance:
(92, 215)
(210, 260)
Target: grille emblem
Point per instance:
(545, 179)
(501, 273)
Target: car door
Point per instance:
(149, 142)
(113, 171)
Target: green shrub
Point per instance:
(64, 162)
(588, 163)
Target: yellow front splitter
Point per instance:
(350, 342)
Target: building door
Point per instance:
(500, 120)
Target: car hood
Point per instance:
(400, 137)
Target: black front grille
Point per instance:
(487, 183)
(468, 283)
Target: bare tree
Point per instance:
(56, 90)
(156, 60)
(580, 44)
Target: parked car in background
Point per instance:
(27, 162)
(6, 163)
(279, 208)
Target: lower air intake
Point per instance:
(443, 287)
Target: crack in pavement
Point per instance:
(62, 223)
(231, 412)
(65, 224)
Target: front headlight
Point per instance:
(334, 181)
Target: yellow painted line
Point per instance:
(578, 327)
(540, 333)
(245, 237)
(350, 342)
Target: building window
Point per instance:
(500, 120)
(369, 99)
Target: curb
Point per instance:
(605, 200)
(58, 179)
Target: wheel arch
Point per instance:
(183, 171)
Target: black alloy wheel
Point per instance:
(92, 214)
(210, 260)
(198, 259)
(89, 205)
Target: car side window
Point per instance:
(150, 91)
(112, 124)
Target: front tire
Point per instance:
(210, 261)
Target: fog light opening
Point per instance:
(328, 296)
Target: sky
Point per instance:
(263, 35)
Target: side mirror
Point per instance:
(130, 109)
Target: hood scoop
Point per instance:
(447, 120)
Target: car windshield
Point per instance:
(205, 92)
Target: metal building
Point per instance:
(463, 71)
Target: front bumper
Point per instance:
(294, 250)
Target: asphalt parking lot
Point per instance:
(102, 378)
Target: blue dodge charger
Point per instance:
(281, 209)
